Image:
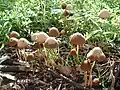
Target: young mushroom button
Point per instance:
(22, 43)
(96, 54)
(53, 32)
(51, 43)
(77, 39)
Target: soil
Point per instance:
(19, 74)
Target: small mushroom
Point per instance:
(96, 54)
(34, 36)
(51, 43)
(22, 43)
(30, 56)
(12, 42)
(96, 82)
(14, 34)
(73, 52)
(104, 14)
(69, 7)
(41, 37)
(77, 39)
(53, 32)
(66, 13)
(63, 5)
(86, 67)
(62, 32)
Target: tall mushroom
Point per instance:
(104, 14)
(22, 44)
(86, 67)
(39, 38)
(77, 39)
(53, 32)
(51, 43)
(96, 54)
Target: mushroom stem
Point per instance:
(24, 56)
(77, 54)
(77, 49)
(90, 76)
(85, 78)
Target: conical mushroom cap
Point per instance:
(41, 37)
(14, 34)
(12, 42)
(96, 54)
(104, 14)
(77, 39)
(51, 43)
(22, 43)
(53, 32)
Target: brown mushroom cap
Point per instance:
(104, 14)
(96, 54)
(51, 43)
(53, 32)
(14, 34)
(12, 42)
(22, 43)
(34, 36)
(30, 56)
(41, 37)
(62, 32)
(86, 66)
(77, 39)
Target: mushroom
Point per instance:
(73, 52)
(77, 39)
(41, 37)
(22, 44)
(69, 7)
(53, 32)
(86, 67)
(30, 56)
(104, 14)
(66, 13)
(96, 54)
(34, 36)
(63, 5)
(14, 34)
(51, 43)
(62, 32)
(12, 42)
(96, 82)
